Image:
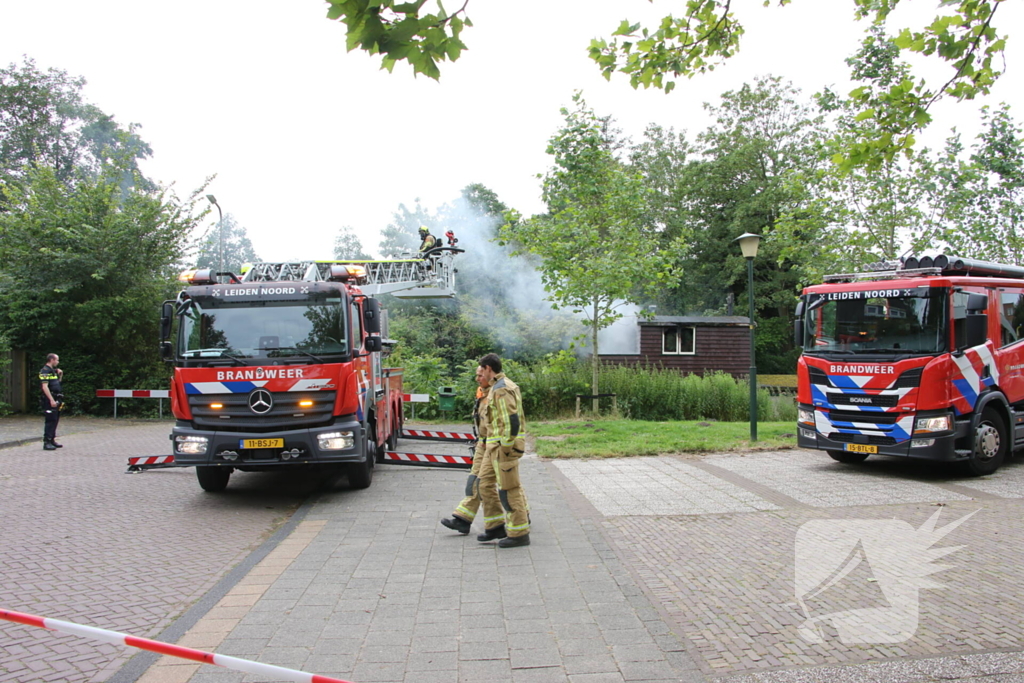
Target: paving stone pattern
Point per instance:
(384, 593)
(728, 580)
(656, 486)
(84, 542)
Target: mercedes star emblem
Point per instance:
(260, 401)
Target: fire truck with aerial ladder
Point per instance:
(922, 358)
(283, 366)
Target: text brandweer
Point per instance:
(260, 373)
(861, 370)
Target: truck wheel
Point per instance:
(392, 442)
(360, 474)
(848, 457)
(213, 479)
(990, 444)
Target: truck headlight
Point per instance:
(335, 441)
(191, 445)
(924, 425)
(805, 415)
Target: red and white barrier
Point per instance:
(115, 638)
(151, 460)
(134, 393)
(427, 434)
(428, 457)
(416, 398)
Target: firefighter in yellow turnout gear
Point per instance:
(462, 519)
(505, 445)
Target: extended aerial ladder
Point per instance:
(430, 275)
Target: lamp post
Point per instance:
(220, 233)
(748, 245)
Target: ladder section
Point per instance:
(429, 277)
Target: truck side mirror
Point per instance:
(976, 329)
(166, 317)
(798, 325)
(373, 344)
(371, 316)
(977, 302)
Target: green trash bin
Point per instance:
(446, 398)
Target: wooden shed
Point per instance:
(690, 344)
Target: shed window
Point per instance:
(677, 340)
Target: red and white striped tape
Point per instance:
(151, 460)
(426, 434)
(416, 398)
(114, 638)
(132, 393)
(429, 457)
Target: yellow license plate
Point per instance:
(261, 443)
(860, 448)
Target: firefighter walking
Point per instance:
(462, 519)
(50, 401)
(505, 445)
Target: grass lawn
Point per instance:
(607, 438)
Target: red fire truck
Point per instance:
(919, 359)
(283, 366)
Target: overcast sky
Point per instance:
(305, 138)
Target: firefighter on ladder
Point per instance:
(462, 519)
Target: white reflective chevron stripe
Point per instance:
(969, 373)
(986, 359)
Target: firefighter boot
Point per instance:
(54, 442)
(513, 541)
(49, 445)
(457, 524)
(492, 534)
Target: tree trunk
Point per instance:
(597, 361)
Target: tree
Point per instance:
(400, 236)
(705, 35)
(594, 244)
(45, 122)
(226, 247)
(979, 201)
(83, 270)
(739, 178)
(347, 246)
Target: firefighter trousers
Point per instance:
(470, 505)
(510, 493)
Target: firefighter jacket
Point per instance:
(429, 242)
(504, 413)
(480, 428)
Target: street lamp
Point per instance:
(748, 245)
(220, 232)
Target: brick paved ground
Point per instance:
(82, 541)
(383, 593)
(723, 563)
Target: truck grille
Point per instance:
(869, 400)
(872, 417)
(285, 414)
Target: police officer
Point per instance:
(506, 443)
(462, 519)
(51, 400)
(429, 241)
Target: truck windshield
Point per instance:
(267, 329)
(901, 321)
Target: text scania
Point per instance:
(861, 370)
(254, 291)
(260, 373)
